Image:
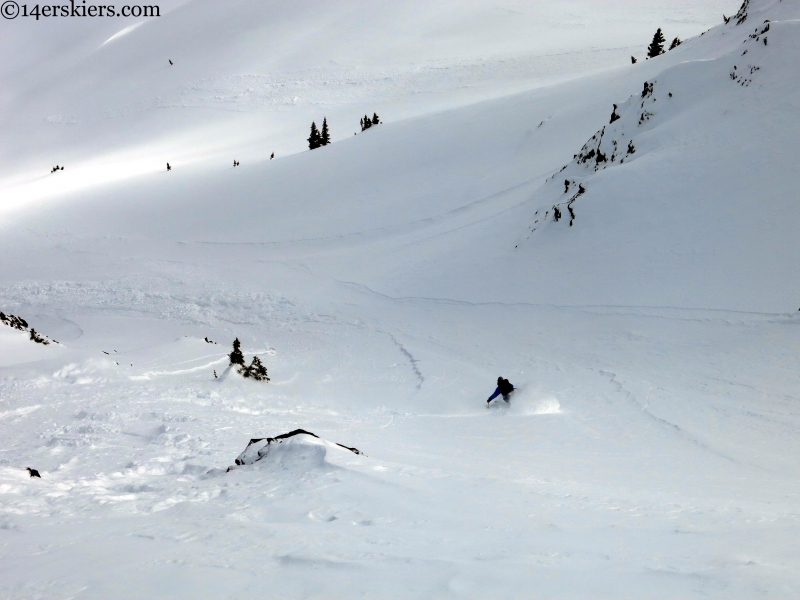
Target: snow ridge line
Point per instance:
(621, 309)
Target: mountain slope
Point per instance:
(386, 281)
(457, 206)
(99, 95)
(719, 235)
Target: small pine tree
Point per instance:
(656, 47)
(675, 43)
(633, 60)
(375, 119)
(313, 139)
(325, 136)
(366, 123)
(256, 370)
(236, 357)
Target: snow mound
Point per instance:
(302, 453)
(16, 347)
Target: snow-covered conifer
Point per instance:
(236, 357)
(256, 370)
(325, 136)
(656, 47)
(314, 138)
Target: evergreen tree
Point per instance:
(256, 370)
(633, 60)
(236, 357)
(675, 43)
(366, 123)
(375, 119)
(314, 139)
(325, 136)
(656, 47)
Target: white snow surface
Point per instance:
(386, 280)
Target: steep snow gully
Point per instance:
(622, 246)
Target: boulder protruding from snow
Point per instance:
(258, 448)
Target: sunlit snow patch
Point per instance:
(19, 412)
(531, 402)
(85, 373)
(122, 32)
(546, 406)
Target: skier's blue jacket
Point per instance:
(510, 388)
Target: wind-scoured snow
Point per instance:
(386, 281)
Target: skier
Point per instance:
(504, 387)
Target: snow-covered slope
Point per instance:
(386, 281)
(454, 202)
(99, 95)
